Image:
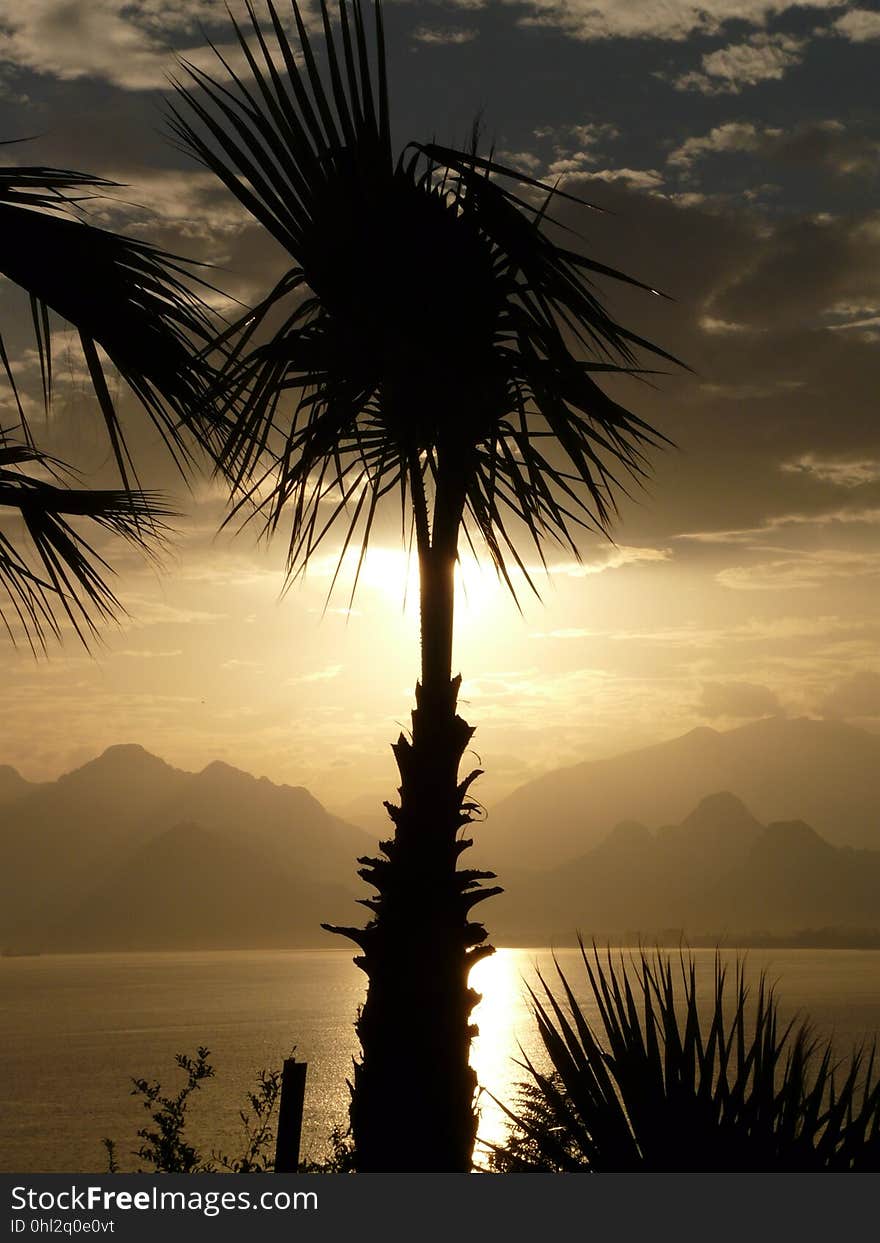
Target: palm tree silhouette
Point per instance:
(425, 340)
(137, 304)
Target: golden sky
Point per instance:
(743, 582)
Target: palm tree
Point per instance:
(139, 306)
(428, 339)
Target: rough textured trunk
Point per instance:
(412, 1105)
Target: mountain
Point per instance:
(826, 773)
(67, 834)
(223, 797)
(69, 845)
(201, 889)
(716, 836)
(718, 873)
(12, 785)
(793, 878)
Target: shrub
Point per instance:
(164, 1146)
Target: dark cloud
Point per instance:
(759, 300)
(801, 271)
(843, 149)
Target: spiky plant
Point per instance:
(428, 339)
(140, 307)
(666, 1086)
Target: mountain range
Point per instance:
(826, 773)
(128, 852)
(719, 873)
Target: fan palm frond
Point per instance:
(66, 578)
(136, 303)
(663, 1083)
(427, 321)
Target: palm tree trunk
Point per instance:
(412, 1106)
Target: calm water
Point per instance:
(74, 1028)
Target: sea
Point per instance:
(75, 1030)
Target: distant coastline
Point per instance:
(666, 938)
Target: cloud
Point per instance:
(319, 675)
(806, 572)
(569, 632)
(843, 150)
(618, 556)
(638, 178)
(843, 473)
(195, 204)
(591, 133)
(445, 35)
(84, 40)
(867, 329)
(568, 163)
(129, 43)
(575, 147)
(858, 25)
(750, 392)
(525, 160)
(721, 327)
(579, 163)
(146, 654)
(757, 630)
(582, 134)
(590, 20)
(737, 699)
(857, 696)
(146, 612)
(796, 269)
(732, 136)
(762, 58)
(784, 522)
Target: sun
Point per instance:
(393, 575)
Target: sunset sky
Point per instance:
(736, 147)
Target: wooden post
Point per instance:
(290, 1116)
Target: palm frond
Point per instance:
(139, 305)
(64, 578)
(664, 1085)
(426, 315)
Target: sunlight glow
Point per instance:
(393, 573)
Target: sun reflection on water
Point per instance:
(505, 1023)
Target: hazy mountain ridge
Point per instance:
(129, 852)
(200, 889)
(718, 873)
(825, 773)
(127, 823)
(12, 785)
